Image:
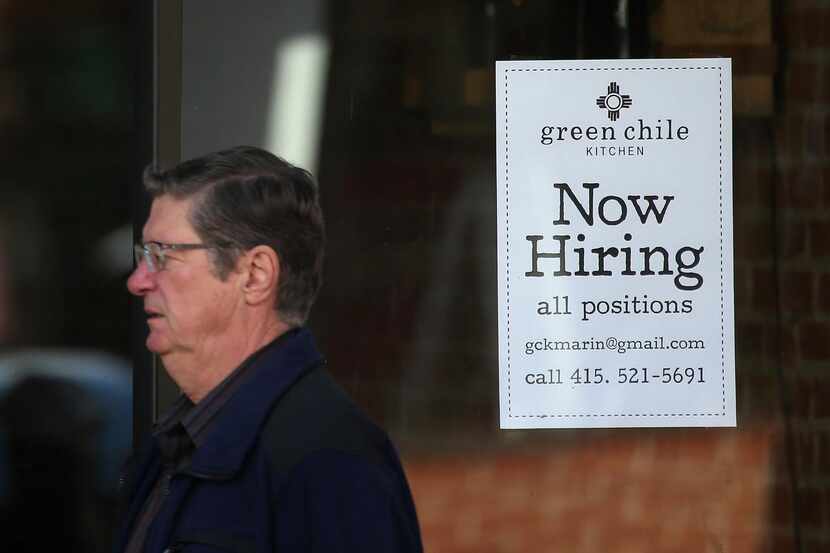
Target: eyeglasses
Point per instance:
(154, 253)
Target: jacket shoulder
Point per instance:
(315, 415)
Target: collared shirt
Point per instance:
(179, 432)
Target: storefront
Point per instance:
(392, 105)
(399, 123)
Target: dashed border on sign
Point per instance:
(507, 71)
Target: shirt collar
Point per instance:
(272, 373)
(185, 425)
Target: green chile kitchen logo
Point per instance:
(615, 140)
(614, 101)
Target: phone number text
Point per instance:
(623, 375)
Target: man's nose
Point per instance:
(141, 280)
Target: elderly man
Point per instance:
(263, 451)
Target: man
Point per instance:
(263, 452)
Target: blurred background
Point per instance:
(390, 103)
(67, 124)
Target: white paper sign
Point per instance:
(615, 243)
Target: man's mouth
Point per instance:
(153, 314)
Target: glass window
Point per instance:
(391, 103)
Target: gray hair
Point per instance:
(245, 197)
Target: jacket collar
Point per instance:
(276, 368)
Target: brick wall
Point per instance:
(802, 263)
(633, 491)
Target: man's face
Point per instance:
(187, 306)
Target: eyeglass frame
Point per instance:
(142, 251)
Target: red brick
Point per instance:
(787, 343)
(780, 472)
(783, 541)
(814, 137)
(820, 238)
(809, 6)
(753, 241)
(822, 445)
(749, 339)
(825, 182)
(816, 35)
(781, 504)
(811, 508)
(752, 186)
(586, 499)
(762, 178)
(801, 186)
(743, 286)
(821, 411)
(789, 135)
(825, 124)
(764, 289)
(797, 292)
(809, 406)
(802, 82)
(814, 340)
(815, 542)
(806, 448)
(804, 399)
(753, 142)
(806, 187)
(762, 396)
(772, 341)
(807, 29)
(824, 293)
(745, 189)
(793, 239)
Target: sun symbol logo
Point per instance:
(614, 101)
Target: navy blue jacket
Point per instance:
(290, 465)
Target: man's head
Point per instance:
(254, 230)
(245, 197)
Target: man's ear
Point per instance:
(260, 275)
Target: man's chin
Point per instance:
(157, 344)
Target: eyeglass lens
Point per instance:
(151, 254)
